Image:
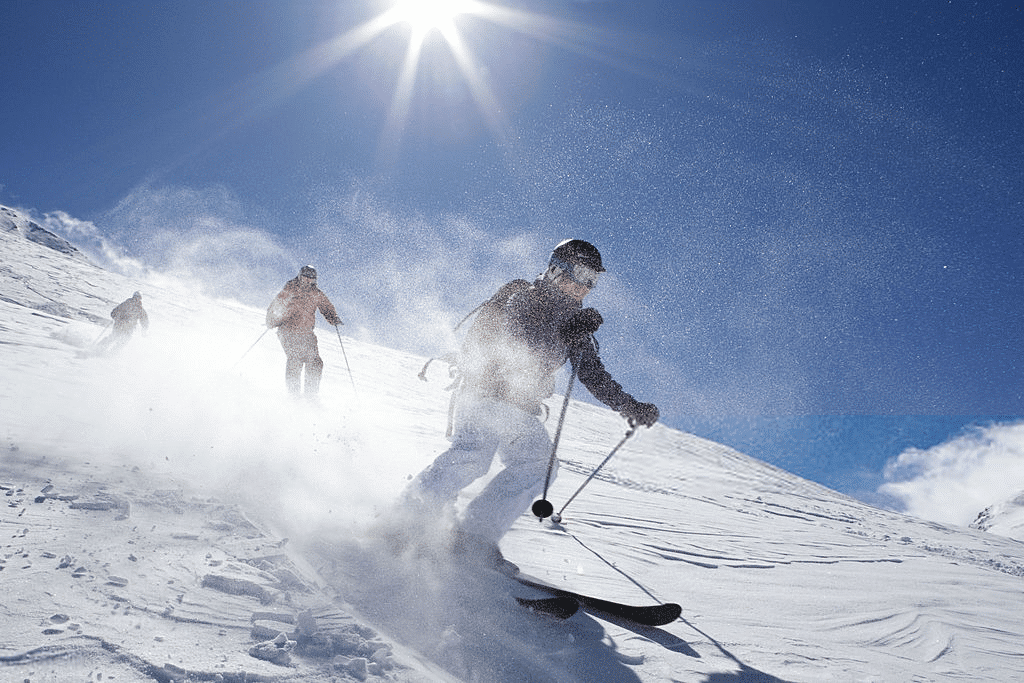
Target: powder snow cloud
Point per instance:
(954, 481)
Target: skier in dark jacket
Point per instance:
(126, 315)
(508, 371)
(293, 313)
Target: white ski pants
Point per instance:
(485, 427)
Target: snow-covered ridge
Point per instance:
(780, 579)
(43, 272)
(14, 221)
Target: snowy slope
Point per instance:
(780, 579)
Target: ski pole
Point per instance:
(543, 508)
(250, 348)
(102, 332)
(345, 356)
(557, 517)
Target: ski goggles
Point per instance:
(577, 272)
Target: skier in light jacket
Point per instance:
(506, 375)
(293, 313)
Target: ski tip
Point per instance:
(670, 612)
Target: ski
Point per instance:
(645, 615)
(559, 607)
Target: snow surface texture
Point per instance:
(780, 579)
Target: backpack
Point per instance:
(486, 330)
(488, 327)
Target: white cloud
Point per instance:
(954, 481)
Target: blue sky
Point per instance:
(806, 208)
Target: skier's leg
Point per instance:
(525, 450)
(103, 345)
(314, 367)
(293, 374)
(292, 344)
(475, 440)
(118, 340)
(466, 460)
(422, 515)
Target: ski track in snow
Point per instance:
(780, 579)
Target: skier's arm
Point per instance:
(327, 308)
(578, 336)
(592, 374)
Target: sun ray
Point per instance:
(479, 87)
(420, 19)
(268, 89)
(398, 113)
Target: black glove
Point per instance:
(637, 413)
(581, 325)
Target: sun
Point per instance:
(428, 26)
(425, 28)
(424, 16)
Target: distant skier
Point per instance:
(126, 315)
(293, 313)
(520, 338)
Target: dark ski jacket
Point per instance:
(538, 334)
